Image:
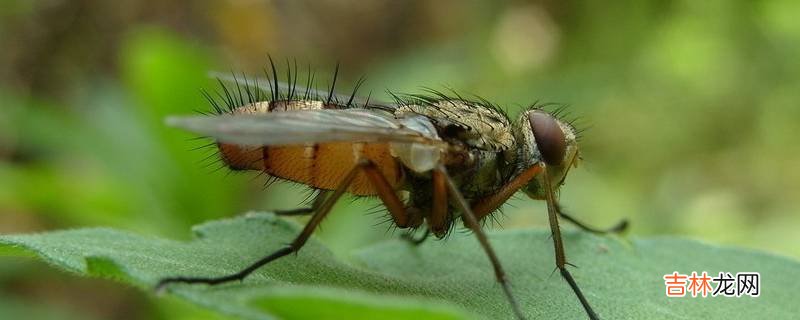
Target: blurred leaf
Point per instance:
(16, 8)
(11, 308)
(165, 74)
(396, 280)
(165, 71)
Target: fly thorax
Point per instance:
(484, 176)
(467, 122)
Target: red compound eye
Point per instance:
(549, 138)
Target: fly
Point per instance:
(432, 158)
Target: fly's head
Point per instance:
(545, 139)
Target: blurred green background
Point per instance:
(692, 110)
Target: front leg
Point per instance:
(472, 223)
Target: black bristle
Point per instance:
(294, 82)
(309, 80)
(269, 83)
(248, 91)
(276, 94)
(333, 85)
(290, 90)
(355, 90)
(240, 101)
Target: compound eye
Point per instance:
(550, 140)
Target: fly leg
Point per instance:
(439, 221)
(300, 240)
(472, 222)
(558, 244)
(618, 228)
(402, 218)
(416, 241)
(487, 205)
(319, 199)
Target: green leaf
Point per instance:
(12, 308)
(449, 279)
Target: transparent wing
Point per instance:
(309, 126)
(264, 84)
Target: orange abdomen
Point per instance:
(321, 165)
